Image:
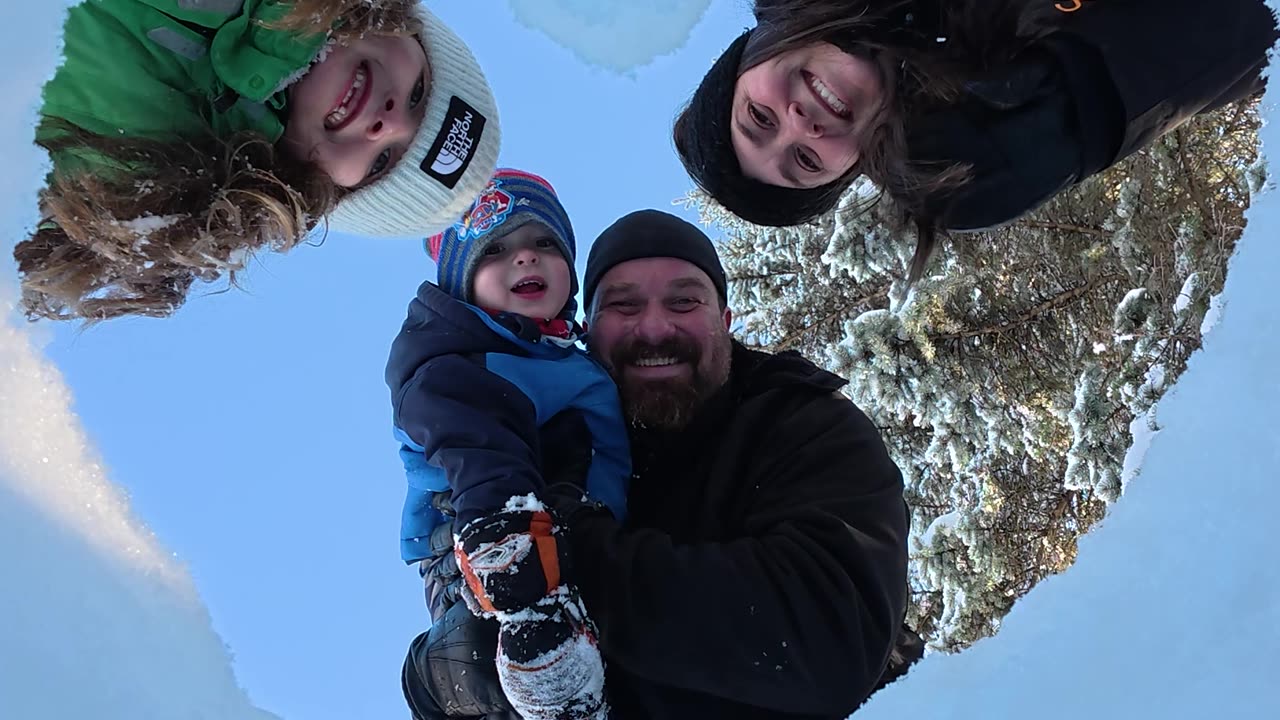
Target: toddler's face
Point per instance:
(355, 113)
(523, 272)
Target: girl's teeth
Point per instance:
(344, 108)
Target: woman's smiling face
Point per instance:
(799, 118)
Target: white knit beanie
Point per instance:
(449, 161)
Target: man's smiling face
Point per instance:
(660, 328)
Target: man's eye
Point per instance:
(758, 116)
(419, 91)
(684, 303)
(380, 163)
(806, 162)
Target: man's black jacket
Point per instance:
(762, 570)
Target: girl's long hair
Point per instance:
(133, 241)
(917, 72)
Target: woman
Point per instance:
(186, 134)
(968, 113)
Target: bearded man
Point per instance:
(761, 571)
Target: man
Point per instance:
(761, 572)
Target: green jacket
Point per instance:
(169, 69)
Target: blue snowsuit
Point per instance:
(468, 395)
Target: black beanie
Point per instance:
(705, 146)
(651, 234)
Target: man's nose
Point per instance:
(654, 324)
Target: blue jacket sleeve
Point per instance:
(610, 471)
(476, 426)
(578, 383)
(420, 515)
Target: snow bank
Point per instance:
(618, 36)
(96, 619)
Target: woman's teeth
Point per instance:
(339, 114)
(826, 94)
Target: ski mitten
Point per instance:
(511, 559)
(549, 662)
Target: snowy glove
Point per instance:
(511, 559)
(549, 661)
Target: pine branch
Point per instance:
(1066, 227)
(1193, 180)
(1053, 303)
(791, 339)
(762, 276)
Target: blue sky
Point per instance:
(252, 429)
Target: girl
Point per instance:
(969, 113)
(187, 134)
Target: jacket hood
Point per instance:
(437, 324)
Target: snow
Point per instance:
(942, 524)
(1187, 293)
(1212, 315)
(97, 619)
(618, 36)
(1142, 429)
(147, 224)
(524, 503)
(1172, 609)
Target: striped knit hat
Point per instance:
(512, 199)
(449, 160)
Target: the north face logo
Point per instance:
(493, 206)
(455, 145)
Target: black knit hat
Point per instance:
(651, 234)
(705, 145)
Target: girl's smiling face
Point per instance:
(356, 112)
(798, 119)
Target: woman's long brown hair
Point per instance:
(134, 241)
(917, 73)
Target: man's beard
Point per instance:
(670, 404)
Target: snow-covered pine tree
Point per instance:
(1011, 380)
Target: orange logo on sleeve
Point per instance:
(1069, 6)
